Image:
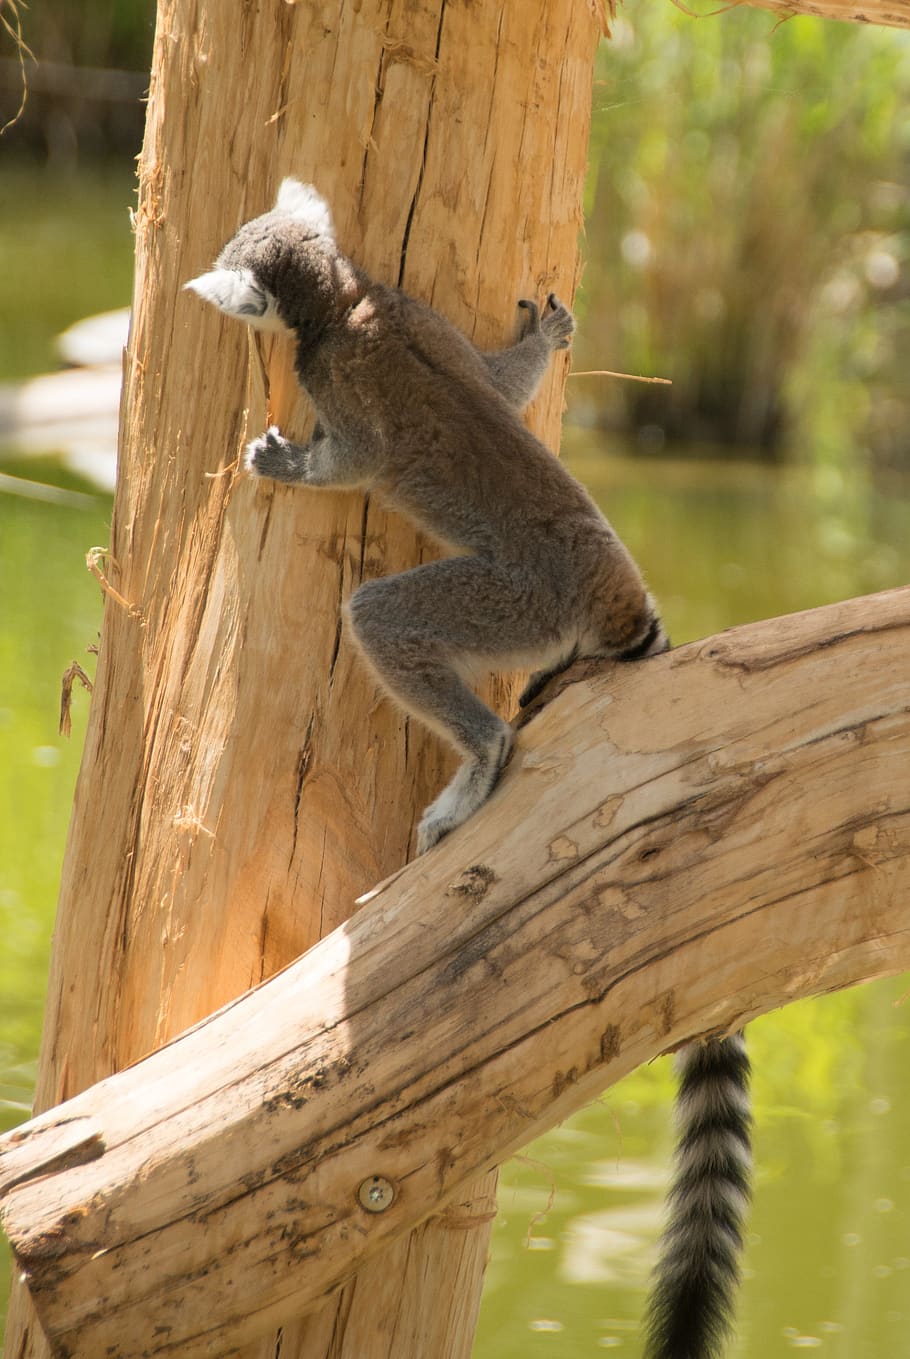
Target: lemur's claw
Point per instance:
(533, 311)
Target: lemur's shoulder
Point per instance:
(436, 342)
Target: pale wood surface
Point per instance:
(242, 779)
(678, 846)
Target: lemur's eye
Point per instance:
(255, 305)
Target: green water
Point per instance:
(829, 1255)
(49, 615)
(65, 252)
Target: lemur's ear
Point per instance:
(305, 204)
(236, 292)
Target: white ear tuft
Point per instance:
(305, 204)
(236, 292)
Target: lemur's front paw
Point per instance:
(271, 455)
(557, 324)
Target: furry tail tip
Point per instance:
(697, 1272)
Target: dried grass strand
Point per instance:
(626, 377)
(72, 673)
(103, 554)
(14, 29)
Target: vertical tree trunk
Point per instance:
(237, 750)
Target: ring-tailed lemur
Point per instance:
(407, 406)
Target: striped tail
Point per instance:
(697, 1272)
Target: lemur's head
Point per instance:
(281, 271)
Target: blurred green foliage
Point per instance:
(748, 233)
(100, 33)
(85, 67)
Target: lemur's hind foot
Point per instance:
(468, 791)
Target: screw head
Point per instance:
(376, 1194)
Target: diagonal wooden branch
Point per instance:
(889, 13)
(680, 845)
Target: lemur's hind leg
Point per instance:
(425, 632)
(516, 372)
